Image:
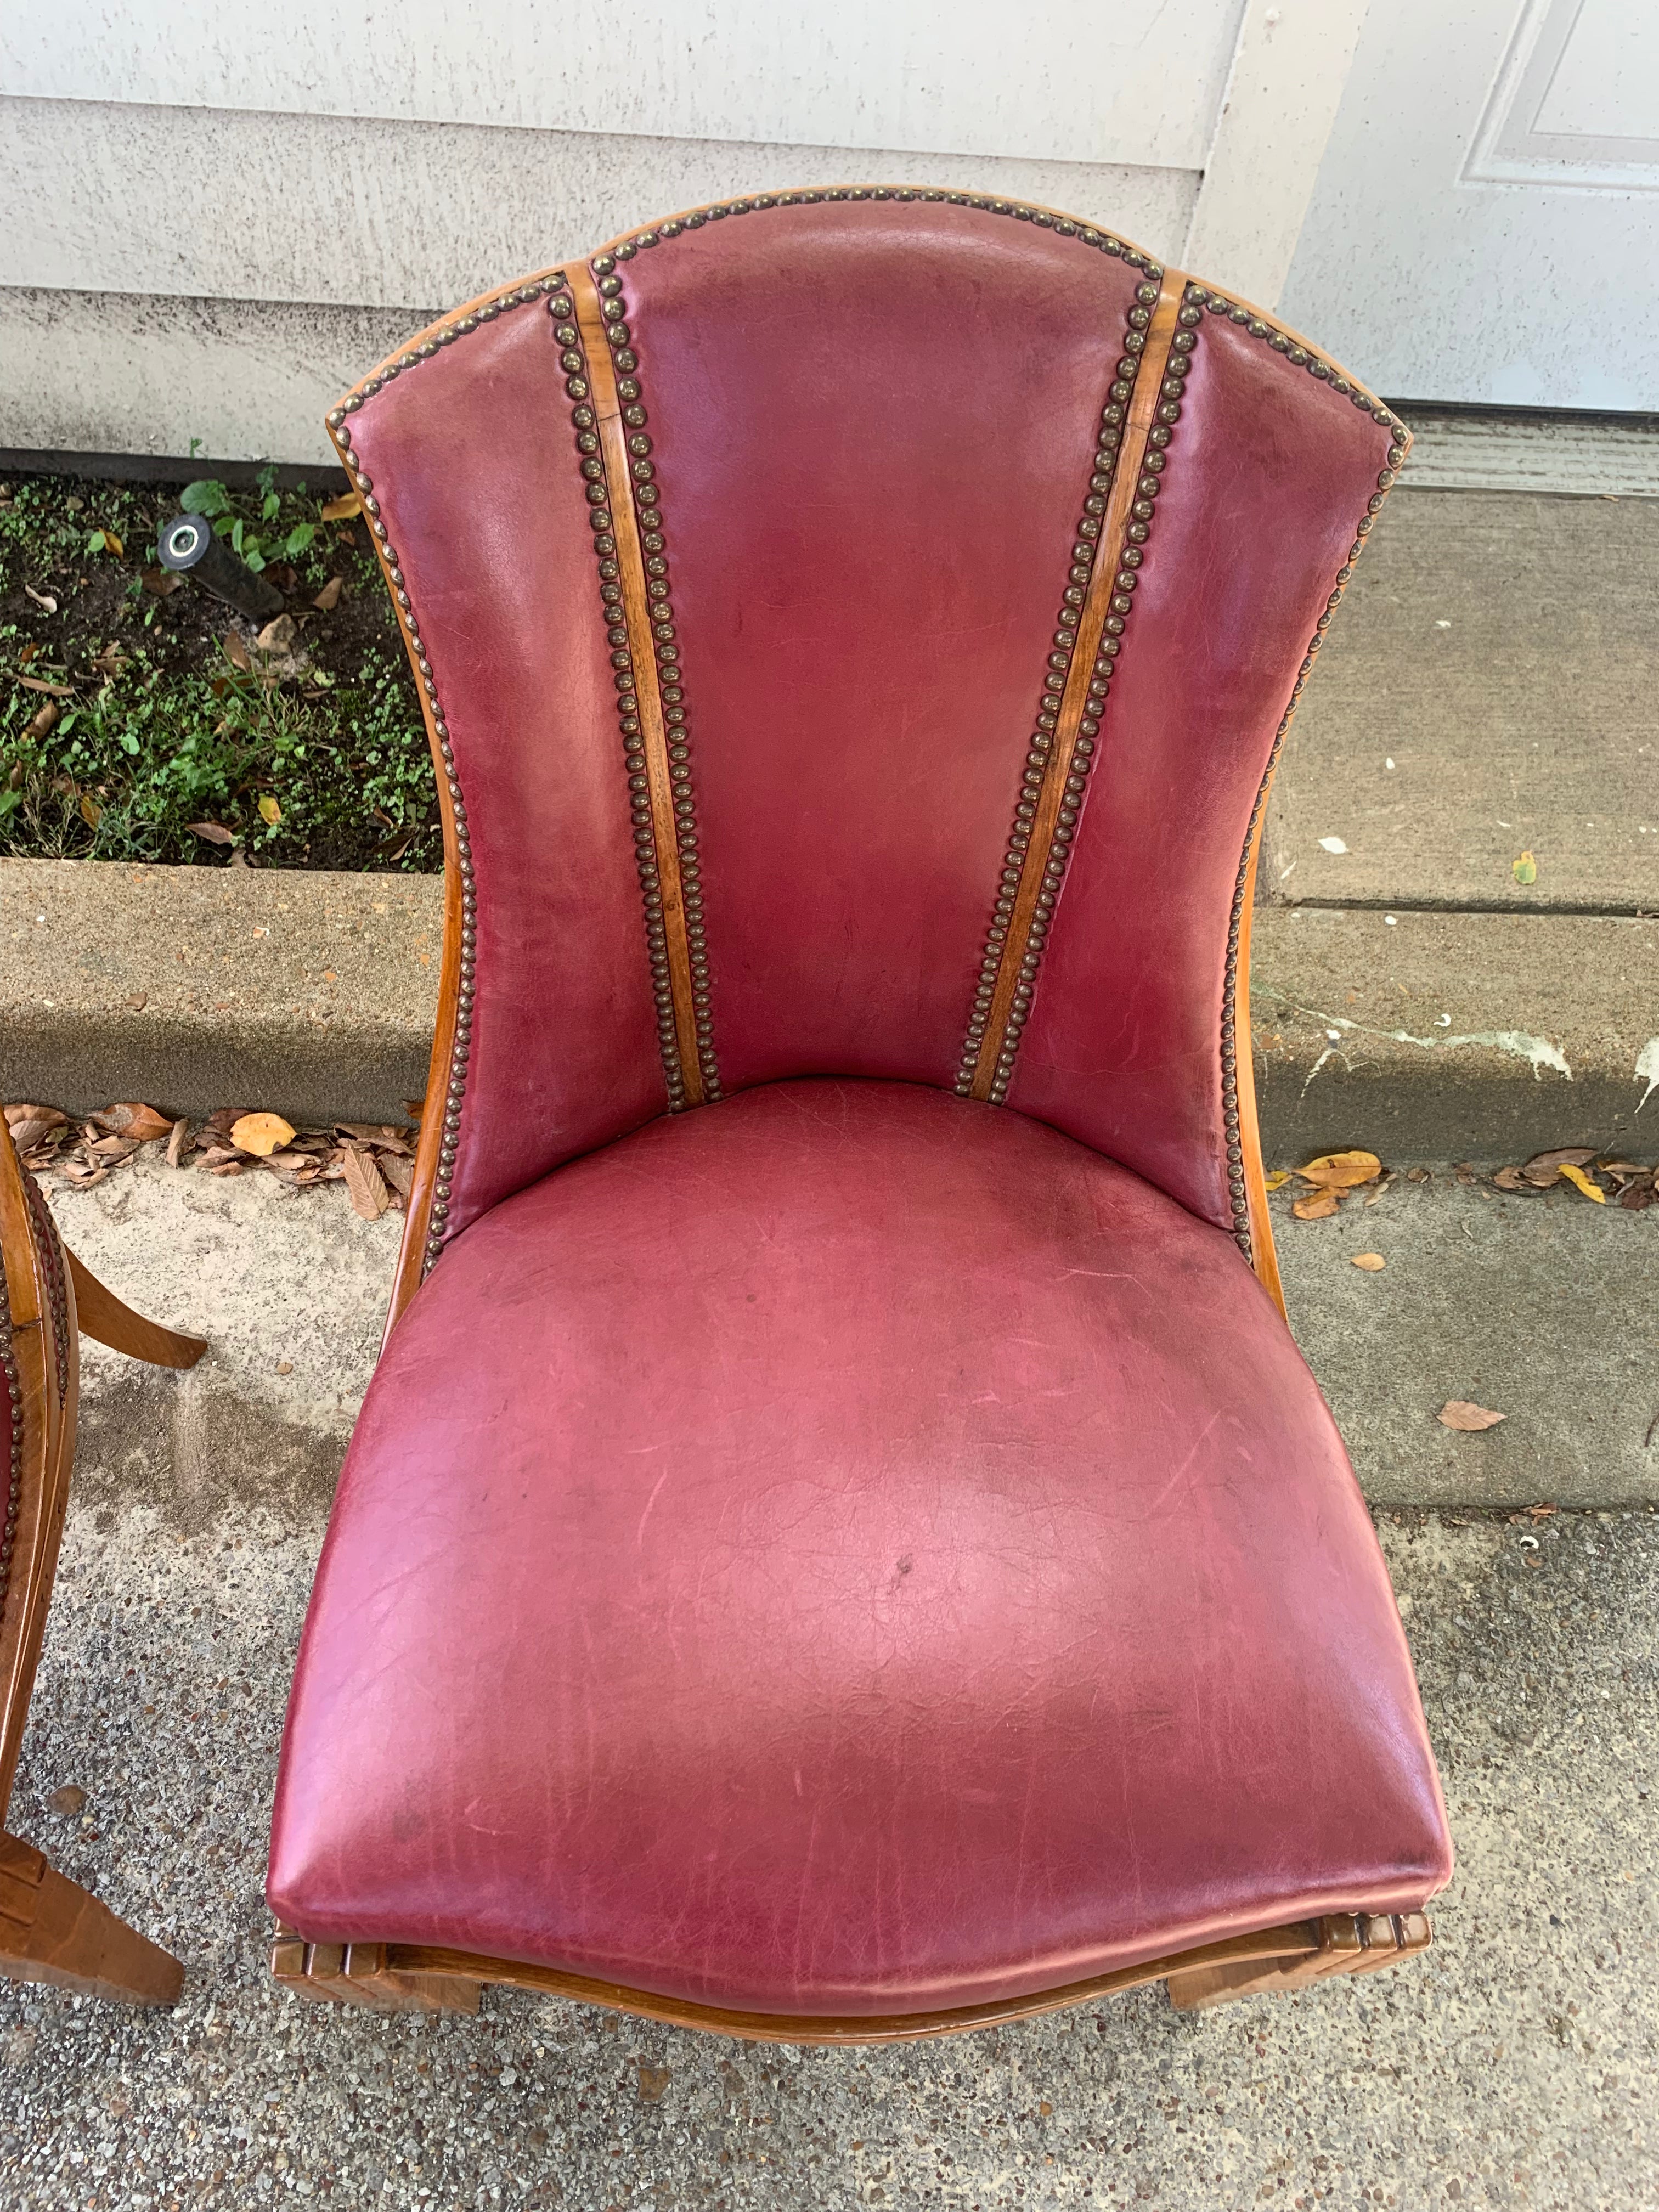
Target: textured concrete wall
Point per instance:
(173, 273)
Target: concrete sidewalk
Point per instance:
(1515, 2066)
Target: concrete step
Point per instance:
(1462, 1037)
(1487, 690)
(1459, 1036)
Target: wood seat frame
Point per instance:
(399, 1977)
(53, 1930)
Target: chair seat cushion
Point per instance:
(847, 1550)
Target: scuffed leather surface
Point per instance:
(473, 460)
(873, 430)
(847, 1550)
(1269, 470)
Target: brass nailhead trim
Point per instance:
(1299, 355)
(1063, 226)
(1141, 407)
(1237, 1190)
(457, 837)
(616, 449)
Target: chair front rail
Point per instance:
(424, 1977)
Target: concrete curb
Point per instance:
(1431, 1036)
(1453, 1036)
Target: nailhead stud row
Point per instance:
(52, 1256)
(1237, 1194)
(1041, 218)
(1298, 355)
(1085, 549)
(662, 644)
(339, 422)
(13, 1383)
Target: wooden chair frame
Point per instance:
(422, 1977)
(50, 1929)
(400, 1976)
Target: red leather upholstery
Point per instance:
(846, 1549)
(872, 426)
(1268, 474)
(471, 463)
(874, 437)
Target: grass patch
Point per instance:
(129, 710)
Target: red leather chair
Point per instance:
(841, 1543)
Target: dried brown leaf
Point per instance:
(140, 1122)
(398, 1170)
(369, 1197)
(278, 636)
(176, 1141)
(1372, 1262)
(329, 598)
(1461, 1414)
(1341, 1170)
(40, 684)
(29, 1136)
(215, 832)
(1319, 1207)
(160, 581)
(1541, 1168)
(49, 1114)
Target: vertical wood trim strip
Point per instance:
(630, 561)
(1261, 1255)
(1143, 405)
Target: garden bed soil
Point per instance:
(141, 718)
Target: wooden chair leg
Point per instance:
(53, 1930)
(358, 1973)
(1349, 1943)
(101, 1314)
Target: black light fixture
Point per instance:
(188, 546)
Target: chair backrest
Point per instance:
(856, 628)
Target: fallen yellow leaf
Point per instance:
(1525, 870)
(261, 1134)
(1278, 1179)
(343, 509)
(1370, 1262)
(270, 810)
(1341, 1170)
(1580, 1180)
